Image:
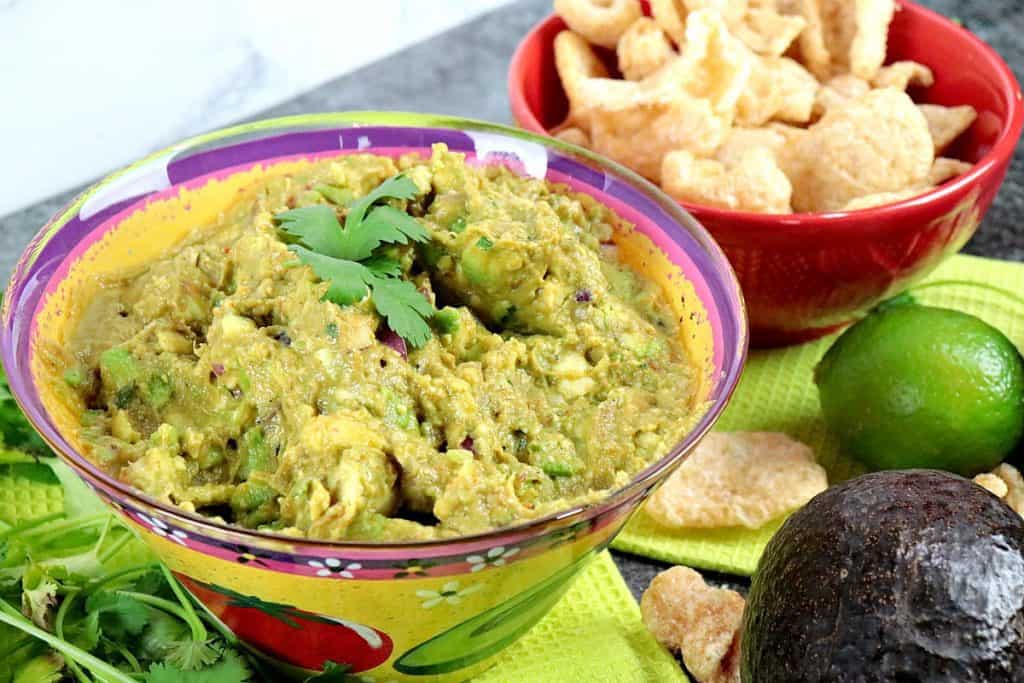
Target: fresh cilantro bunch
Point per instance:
(344, 256)
(81, 598)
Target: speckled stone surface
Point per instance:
(463, 72)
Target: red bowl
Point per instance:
(804, 275)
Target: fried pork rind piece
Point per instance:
(670, 15)
(574, 136)
(635, 125)
(944, 169)
(643, 49)
(713, 65)
(839, 90)
(575, 62)
(602, 22)
(902, 75)
(874, 144)
(698, 621)
(740, 140)
(947, 123)
(767, 32)
(845, 36)
(738, 479)
(883, 198)
(755, 183)
(780, 89)
(1004, 482)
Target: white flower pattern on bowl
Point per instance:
(332, 567)
(495, 557)
(158, 527)
(450, 593)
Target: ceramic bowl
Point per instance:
(397, 611)
(803, 275)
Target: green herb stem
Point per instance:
(199, 633)
(193, 620)
(116, 546)
(65, 526)
(129, 572)
(13, 618)
(58, 627)
(21, 528)
(123, 651)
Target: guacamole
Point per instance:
(223, 379)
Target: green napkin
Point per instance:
(27, 490)
(776, 393)
(593, 634)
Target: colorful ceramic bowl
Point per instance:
(803, 275)
(410, 611)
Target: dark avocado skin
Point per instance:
(907, 575)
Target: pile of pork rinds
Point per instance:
(771, 106)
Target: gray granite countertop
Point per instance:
(463, 72)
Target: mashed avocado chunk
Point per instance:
(223, 379)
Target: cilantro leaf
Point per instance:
(344, 257)
(383, 266)
(388, 225)
(404, 307)
(347, 278)
(15, 431)
(119, 615)
(230, 669)
(45, 668)
(315, 227)
(39, 596)
(395, 187)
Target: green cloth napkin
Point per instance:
(27, 490)
(776, 393)
(593, 634)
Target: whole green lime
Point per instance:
(913, 386)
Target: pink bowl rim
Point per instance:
(999, 155)
(267, 128)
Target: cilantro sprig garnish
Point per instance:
(344, 256)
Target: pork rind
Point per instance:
(576, 62)
(713, 66)
(700, 622)
(1004, 482)
(767, 32)
(574, 136)
(738, 479)
(670, 15)
(874, 144)
(883, 198)
(902, 75)
(602, 22)
(944, 168)
(845, 36)
(740, 140)
(779, 88)
(947, 123)
(643, 49)
(839, 90)
(755, 183)
(732, 11)
(635, 125)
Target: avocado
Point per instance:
(904, 575)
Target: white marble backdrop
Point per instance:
(89, 85)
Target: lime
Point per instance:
(917, 386)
